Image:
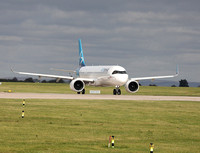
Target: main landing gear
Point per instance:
(117, 91)
(83, 92)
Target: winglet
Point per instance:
(177, 70)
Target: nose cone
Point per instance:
(121, 79)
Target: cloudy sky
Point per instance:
(148, 37)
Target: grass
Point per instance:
(65, 89)
(74, 126)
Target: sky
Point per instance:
(147, 38)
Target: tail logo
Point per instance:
(81, 58)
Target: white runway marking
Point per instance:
(100, 97)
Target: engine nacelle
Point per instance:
(132, 86)
(77, 85)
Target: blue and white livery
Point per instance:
(113, 75)
(81, 58)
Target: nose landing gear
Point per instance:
(117, 91)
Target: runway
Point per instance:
(93, 97)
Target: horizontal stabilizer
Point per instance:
(70, 71)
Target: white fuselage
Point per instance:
(104, 75)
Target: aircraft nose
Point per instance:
(122, 78)
(125, 78)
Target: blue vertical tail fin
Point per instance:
(81, 57)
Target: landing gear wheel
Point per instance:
(119, 92)
(114, 91)
(83, 91)
(78, 92)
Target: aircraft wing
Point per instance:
(86, 79)
(153, 77)
(157, 77)
(45, 75)
(54, 76)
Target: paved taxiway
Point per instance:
(100, 97)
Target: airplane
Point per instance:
(108, 75)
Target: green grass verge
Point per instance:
(59, 126)
(64, 88)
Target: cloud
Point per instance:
(10, 38)
(145, 37)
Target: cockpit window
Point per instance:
(119, 72)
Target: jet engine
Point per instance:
(132, 86)
(77, 85)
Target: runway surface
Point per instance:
(100, 97)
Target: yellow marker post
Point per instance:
(113, 141)
(23, 103)
(22, 114)
(151, 146)
(9, 91)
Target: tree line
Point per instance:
(182, 82)
(32, 80)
